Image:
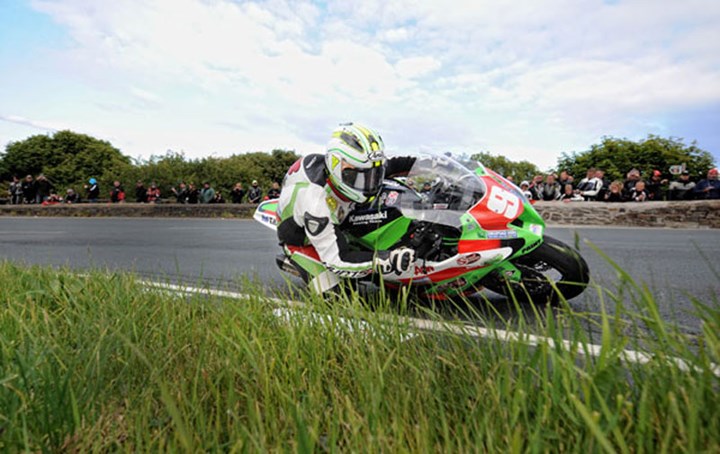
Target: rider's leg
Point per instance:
(313, 271)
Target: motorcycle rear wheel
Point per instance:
(552, 271)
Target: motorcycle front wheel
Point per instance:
(552, 271)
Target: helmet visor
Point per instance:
(366, 181)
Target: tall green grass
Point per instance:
(98, 362)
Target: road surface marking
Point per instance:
(592, 350)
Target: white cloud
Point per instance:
(414, 67)
(28, 122)
(517, 77)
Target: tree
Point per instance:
(66, 158)
(222, 173)
(521, 170)
(617, 156)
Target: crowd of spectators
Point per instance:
(41, 190)
(595, 187)
(551, 187)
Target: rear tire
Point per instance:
(551, 270)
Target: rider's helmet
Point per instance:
(355, 161)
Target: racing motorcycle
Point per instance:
(471, 229)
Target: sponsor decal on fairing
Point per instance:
(370, 218)
(468, 259)
(502, 234)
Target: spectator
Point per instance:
(153, 194)
(238, 193)
(681, 189)
(565, 178)
(570, 194)
(181, 194)
(653, 186)
(71, 196)
(218, 198)
(93, 191)
(52, 199)
(510, 178)
(193, 195)
(274, 192)
(600, 175)
(535, 187)
(255, 194)
(29, 189)
(632, 177)
(550, 189)
(15, 191)
(708, 188)
(426, 188)
(140, 192)
(591, 185)
(44, 188)
(207, 194)
(117, 193)
(638, 193)
(614, 192)
(525, 189)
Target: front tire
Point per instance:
(550, 272)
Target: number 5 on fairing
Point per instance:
(503, 202)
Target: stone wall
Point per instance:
(696, 214)
(170, 210)
(692, 214)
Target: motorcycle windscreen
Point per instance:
(448, 191)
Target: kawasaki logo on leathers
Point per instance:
(372, 218)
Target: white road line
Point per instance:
(590, 350)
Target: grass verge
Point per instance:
(97, 362)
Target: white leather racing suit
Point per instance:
(311, 211)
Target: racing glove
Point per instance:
(399, 262)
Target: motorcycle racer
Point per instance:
(318, 193)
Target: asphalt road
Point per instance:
(677, 265)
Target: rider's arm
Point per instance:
(334, 251)
(398, 166)
(327, 238)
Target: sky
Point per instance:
(526, 79)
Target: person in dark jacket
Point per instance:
(15, 191)
(681, 189)
(631, 179)
(71, 196)
(614, 192)
(193, 195)
(140, 192)
(181, 193)
(29, 189)
(550, 189)
(44, 189)
(238, 193)
(654, 185)
(255, 194)
(218, 198)
(708, 188)
(274, 192)
(93, 190)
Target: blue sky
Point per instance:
(526, 79)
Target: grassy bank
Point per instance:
(97, 362)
